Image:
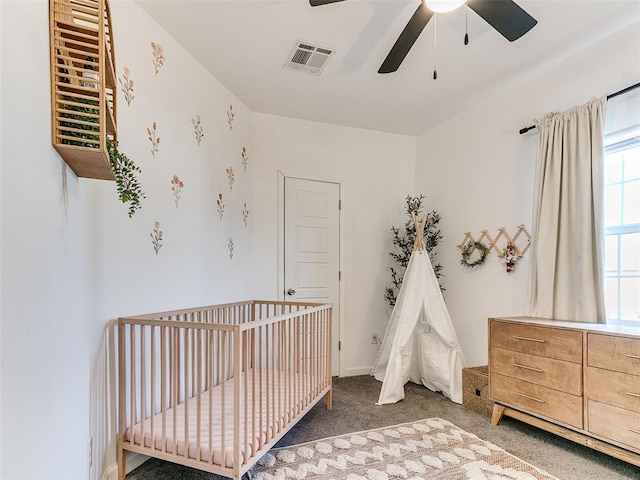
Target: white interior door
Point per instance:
(312, 248)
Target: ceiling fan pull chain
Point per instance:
(466, 25)
(435, 47)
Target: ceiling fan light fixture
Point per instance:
(443, 6)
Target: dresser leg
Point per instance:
(498, 410)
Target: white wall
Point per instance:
(375, 172)
(45, 368)
(478, 171)
(73, 261)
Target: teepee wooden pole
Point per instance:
(418, 244)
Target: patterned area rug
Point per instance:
(427, 449)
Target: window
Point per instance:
(622, 227)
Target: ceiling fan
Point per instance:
(508, 18)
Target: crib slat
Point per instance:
(185, 392)
(210, 337)
(163, 387)
(143, 383)
(245, 378)
(132, 376)
(237, 340)
(262, 370)
(152, 392)
(198, 390)
(122, 399)
(223, 416)
(176, 387)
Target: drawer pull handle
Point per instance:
(517, 337)
(517, 365)
(637, 395)
(634, 431)
(637, 357)
(528, 397)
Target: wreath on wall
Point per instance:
(468, 249)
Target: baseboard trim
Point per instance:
(353, 371)
(133, 461)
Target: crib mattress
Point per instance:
(271, 399)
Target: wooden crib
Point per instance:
(214, 388)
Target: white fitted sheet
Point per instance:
(277, 412)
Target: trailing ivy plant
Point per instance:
(404, 238)
(83, 125)
(124, 169)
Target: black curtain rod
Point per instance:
(609, 97)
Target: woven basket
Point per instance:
(475, 390)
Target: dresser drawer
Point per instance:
(614, 353)
(614, 423)
(548, 372)
(561, 344)
(550, 403)
(619, 389)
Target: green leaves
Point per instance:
(124, 169)
(404, 238)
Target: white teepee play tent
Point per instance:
(420, 344)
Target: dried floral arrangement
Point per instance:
(510, 257)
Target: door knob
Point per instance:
(291, 291)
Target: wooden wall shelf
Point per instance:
(83, 85)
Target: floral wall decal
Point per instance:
(155, 140)
(245, 214)
(220, 206)
(158, 57)
(156, 237)
(127, 86)
(230, 177)
(176, 188)
(230, 116)
(245, 158)
(197, 128)
(230, 245)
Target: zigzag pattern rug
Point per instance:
(424, 450)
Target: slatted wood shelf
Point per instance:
(83, 85)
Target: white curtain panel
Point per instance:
(566, 263)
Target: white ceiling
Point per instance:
(245, 43)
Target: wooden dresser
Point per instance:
(578, 380)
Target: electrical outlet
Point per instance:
(374, 338)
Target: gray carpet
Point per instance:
(354, 410)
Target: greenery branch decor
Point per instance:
(124, 169)
(404, 238)
(83, 126)
(468, 249)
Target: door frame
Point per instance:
(281, 258)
